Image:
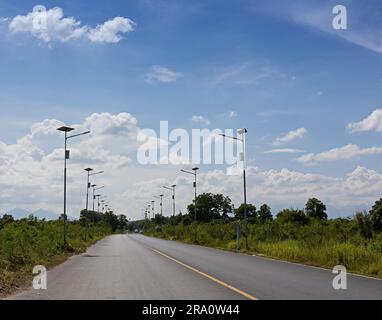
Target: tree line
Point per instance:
(211, 207)
(109, 219)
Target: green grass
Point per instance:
(26, 243)
(324, 244)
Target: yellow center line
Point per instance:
(222, 283)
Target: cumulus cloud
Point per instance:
(52, 26)
(110, 31)
(200, 120)
(31, 173)
(31, 168)
(279, 188)
(347, 152)
(162, 74)
(290, 136)
(371, 123)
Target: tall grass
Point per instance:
(325, 244)
(28, 242)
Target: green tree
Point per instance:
(376, 215)
(112, 220)
(292, 216)
(264, 214)
(187, 220)
(251, 211)
(7, 218)
(158, 219)
(122, 222)
(364, 224)
(210, 206)
(314, 208)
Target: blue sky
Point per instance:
(279, 67)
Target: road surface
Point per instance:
(137, 267)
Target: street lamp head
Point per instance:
(95, 173)
(78, 135)
(65, 129)
(173, 186)
(195, 169)
(88, 169)
(242, 131)
(93, 185)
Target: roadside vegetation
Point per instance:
(29, 242)
(299, 235)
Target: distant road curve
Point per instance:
(138, 267)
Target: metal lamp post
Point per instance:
(89, 186)
(243, 133)
(153, 208)
(87, 201)
(148, 210)
(87, 190)
(94, 195)
(98, 196)
(195, 196)
(66, 157)
(173, 198)
(88, 170)
(161, 206)
(93, 187)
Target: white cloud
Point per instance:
(284, 150)
(52, 26)
(162, 74)
(31, 172)
(110, 31)
(245, 74)
(200, 120)
(278, 188)
(31, 168)
(48, 26)
(290, 136)
(347, 152)
(231, 114)
(371, 123)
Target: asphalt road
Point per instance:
(138, 267)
